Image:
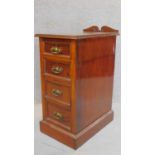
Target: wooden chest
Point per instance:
(77, 81)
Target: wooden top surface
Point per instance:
(81, 35)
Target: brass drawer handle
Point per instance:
(57, 69)
(58, 116)
(55, 50)
(56, 92)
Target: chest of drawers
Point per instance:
(77, 82)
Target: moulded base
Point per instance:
(76, 140)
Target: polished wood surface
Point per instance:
(93, 28)
(75, 140)
(75, 36)
(51, 64)
(77, 81)
(108, 29)
(64, 96)
(95, 79)
(52, 109)
(55, 43)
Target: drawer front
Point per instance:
(58, 115)
(58, 69)
(57, 47)
(58, 92)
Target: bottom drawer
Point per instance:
(58, 116)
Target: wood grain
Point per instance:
(65, 113)
(84, 87)
(50, 64)
(75, 140)
(63, 46)
(78, 36)
(64, 97)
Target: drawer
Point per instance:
(58, 92)
(56, 68)
(57, 47)
(58, 115)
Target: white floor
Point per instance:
(105, 142)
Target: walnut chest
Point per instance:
(77, 73)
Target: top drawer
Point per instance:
(57, 47)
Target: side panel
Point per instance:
(73, 49)
(44, 106)
(95, 70)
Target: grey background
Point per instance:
(66, 16)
